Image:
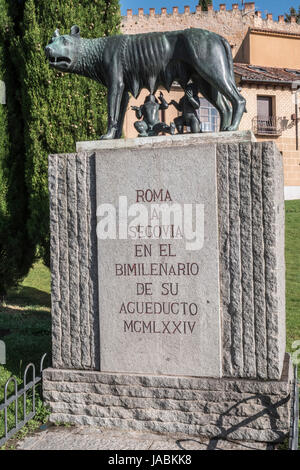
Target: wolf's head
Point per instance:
(62, 52)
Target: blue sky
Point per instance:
(276, 7)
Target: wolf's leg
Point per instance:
(123, 109)
(228, 107)
(224, 107)
(227, 88)
(114, 97)
(218, 72)
(216, 99)
(238, 103)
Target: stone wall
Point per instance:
(228, 408)
(251, 244)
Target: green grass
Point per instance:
(26, 316)
(292, 260)
(25, 321)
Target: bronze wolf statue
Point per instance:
(128, 63)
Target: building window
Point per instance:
(266, 122)
(209, 116)
(265, 107)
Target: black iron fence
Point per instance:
(294, 431)
(271, 125)
(22, 392)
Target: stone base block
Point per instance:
(240, 184)
(239, 409)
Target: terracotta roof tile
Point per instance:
(274, 32)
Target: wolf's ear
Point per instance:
(56, 33)
(75, 31)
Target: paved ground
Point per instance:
(90, 438)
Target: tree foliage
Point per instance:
(204, 4)
(293, 12)
(58, 109)
(47, 111)
(16, 248)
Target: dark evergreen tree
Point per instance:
(46, 112)
(58, 109)
(16, 249)
(204, 4)
(4, 150)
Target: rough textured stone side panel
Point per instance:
(268, 169)
(54, 248)
(258, 262)
(93, 264)
(251, 241)
(83, 258)
(63, 295)
(247, 261)
(271, 254)
(223, 215)
(74, 261)
(280, 236)
(235, 307)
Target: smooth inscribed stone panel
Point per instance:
(158, 261)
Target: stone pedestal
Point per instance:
(170, 333)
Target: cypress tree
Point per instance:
(4, 149)
(204, 4)
(16, 249)
(58, 109)
(3, 120)
(46, 112)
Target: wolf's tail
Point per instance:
(230, 62)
